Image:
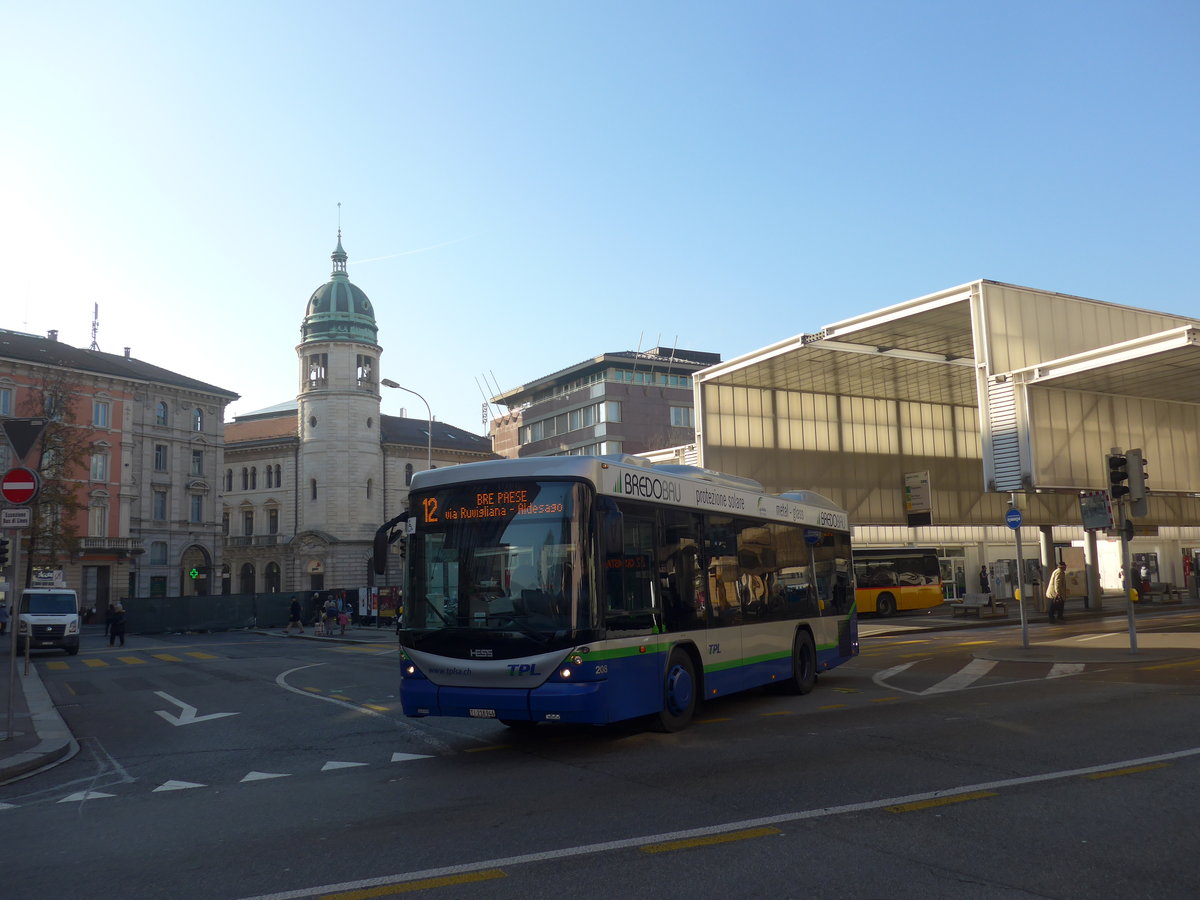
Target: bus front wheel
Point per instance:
(804, 664)
(679, 693)
(885, 605)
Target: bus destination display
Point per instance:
(493, 504)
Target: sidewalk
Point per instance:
(41, 738)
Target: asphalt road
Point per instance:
(226, 766)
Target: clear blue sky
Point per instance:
(525, 185)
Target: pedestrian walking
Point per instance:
(3, 617)
(1056, 591)
(294, 617)
(116, 624)
(985, 586)
(108, 614)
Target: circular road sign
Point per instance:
(20, 485)
(1012, 519)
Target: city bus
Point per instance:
(891, 581)
(598, 589)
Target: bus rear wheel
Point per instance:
(679, 693)
(885, 605)
(804, 664)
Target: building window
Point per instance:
(198, 419)
(278, 477)
(273, 521)
(228, 481)
(158, 553)
(245, 479)
(612, 411)
(408, 473)
(197, 462)
(160, 457)
(160, 413)
(254, 478)
(160, 506)
(314, 488)
(6, 402)
(364, 369)
(158, 585)
(225, 523)
(318, 364)
(274, 578)
(368, 488)
(683, 417)
(100, 410)
(100, 465)
(248, 522)
(247, 579)
(197, 511)
(98, 519)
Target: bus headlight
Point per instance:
(565, 673)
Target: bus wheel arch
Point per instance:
(885, 604)
(681, 691)
(804, 663)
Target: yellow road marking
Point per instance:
(340, 697)
(313, 690)
(376, 707)
(883, 699)
(95, 663)
(196, 654)
(941, 801)
(132, 660)
(1132, 770)
(57, 665)
(710, 721)
(166, 657)
(485, 749)
(727, 838)
(424, 884)
(1169, 665)
(834, 706)
(782, 712)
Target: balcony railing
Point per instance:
(131, 546)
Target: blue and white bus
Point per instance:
(597, 589)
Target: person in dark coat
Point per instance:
(116, 624)
(294, 617)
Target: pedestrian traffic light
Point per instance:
(1136, 466)
(1118, 474)
(3, 552)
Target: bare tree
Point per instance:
(65, 451)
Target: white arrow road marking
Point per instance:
(8, 806)
(85, 795)
(963, 678)
(261, 776)
(405, 757)
(176, 786)
(339, 765)
(187, 714)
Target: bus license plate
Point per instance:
(482, 713)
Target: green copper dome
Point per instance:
(338, 310)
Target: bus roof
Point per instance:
(669, 484)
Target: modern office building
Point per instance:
(620, 402)
(927, 420)
(128, 458)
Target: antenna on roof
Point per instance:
(95, 325)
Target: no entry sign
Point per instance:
(20, 485)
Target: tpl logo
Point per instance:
(523, 669)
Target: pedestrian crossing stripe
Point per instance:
(176, 786)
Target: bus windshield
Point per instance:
(505, 557)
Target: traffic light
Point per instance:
(1118, 474)
(1136, 466)
(3, 552)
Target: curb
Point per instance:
(57, 744)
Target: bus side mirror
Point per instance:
(379, 552)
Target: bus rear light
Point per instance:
(564, 673)
(641, 649)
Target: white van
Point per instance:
(47, 618)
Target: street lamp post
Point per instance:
(387, 382)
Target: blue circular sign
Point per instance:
(1012, 519)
